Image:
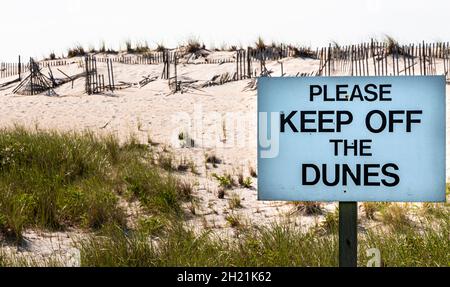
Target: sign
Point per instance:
(351, 138)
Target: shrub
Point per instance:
(247, 183)
(225, 181)
(77, 51)
(193, 45)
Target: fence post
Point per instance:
(348, 236)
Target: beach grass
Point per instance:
(76, 51)
(53, 180)
(276, 245)
(193, 45)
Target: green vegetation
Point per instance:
(234, 201)
(234, 220)
(244, 182)
(395, 217)
(77, 51)
(225, 181)
(55, 180)
(277, 245)
(412, 246)
(247, 183)
(193, 45)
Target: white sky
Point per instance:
(35, 28)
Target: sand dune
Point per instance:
(220, 119)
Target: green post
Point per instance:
(348, 240)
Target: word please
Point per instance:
(330, 121)
(369, 93)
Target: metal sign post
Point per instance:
(348, 236)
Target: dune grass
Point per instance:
(76, 51)
(422, 244)
(193, 45)
(277, 245)
(303, 52)
(160, 47)
(54, 180)
(260, 44)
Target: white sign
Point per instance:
(351, 138)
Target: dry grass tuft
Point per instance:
(309, 207)
(234, 201)
(193, 45)
(77, 51)
(260, 44)
(303, 52)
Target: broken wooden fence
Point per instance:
(95, 82)
(384, 59)
(12, 69)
